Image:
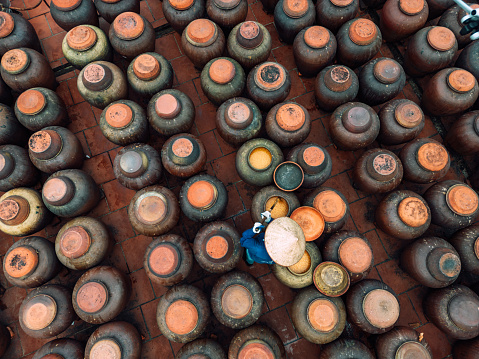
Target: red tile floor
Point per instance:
(129, 249)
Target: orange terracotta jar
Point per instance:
(60, 349)
(15, 32)
(256, 340)
(16, 169)
(463, 136)
(315, 162)
(333, 14)
(401, 342)
(179, 13)
(263, 200)
(401, 18)
(466, 244)
(227, 13)
(350, 348)
(201, 347)
(11, 131)
(183, 155)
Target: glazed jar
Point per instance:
(201, 347)
(30, 262)
(227, 13)
(451, 19)
(315, 162)
(429, 50)
(466, 244)
(318, 318)
(463, 136)
(11, 131)
(401, 121)
(333, 14)
(16, 169)
(83, 243)
(183, 155)
(153, 211)
(268, 84)
(24, 68)
(373, 306)
(345, 348)
(183, 313)
(453, 310)
(353, 126)
(179, 13)
(377, 171)
(424, 160)
(168, 260)
(171, 112)
(46, 311)
(334, 86)
(70, 193)
(222, 79)
(359, 40)
(290, 17)
(466, 349)
(249, 43)
(137, 166)
(331, 279)
(70, 13)
(454, 205)
(402, 18)
(401, 342)
(100, 294)
(203, 198)
(237, 300)
(55, 148)
(60, 349)
(84, 44)
(38, 108)
(101, 83)
(437, 7)
(449, 92)
(256, 340)
(381, 80)
(288, 124)
(110, 9)
(467, 59)
(284, 203)
(15, 32)
(314, 48)
(201, 41)
(403, 214)
(256, 161)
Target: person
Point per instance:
(253, 242)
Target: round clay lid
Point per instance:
(384, 164)
(202, 194)
(313, 156)
(310, 220)
(412, 350)
(92, 297)
(357, 120)
(21, 262)
(31, 102)
(408, 114)
(355, 255)
(151, 208)
(290, 117)
(341, 3)
(295, 8)
(381, 308)
(464, 311)
(131, 162)
(338, 78)
(66, 5)
(236, 301)
(81, 38)
(460, 81)
(270, 76)
(331, 279)
(316, 37)
(146, 67)
(42, 141)
(249, 35)
(363, 32)
(75, 242)
(322, 315)
(97, 77)
(227, 4)
(260, 158)
(181, 317)
(39, 312)
(201, 31)
(217, 247)
(256, 350)
(128, 26)
(58, 191)
(387, 71)
(182, 147)
(15, 61)
(181, 4)
(432, 156)
(167, 106)
(288, 176)
(118, 115)
(411, 7)
(450, 264)
(462, 200)
(7, 24)
(222, 71)
(238, 115)
(105, 349)
(413, 212)
(7, 164)
(330, 205)
(441, 38)
(164, 259)
(14, 209)
(303, 265)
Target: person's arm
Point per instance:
(249, 241)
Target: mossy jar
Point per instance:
(71, 13)
(349, 348)
(15, 32)
(183, 155)
(110, 9)
(16, 169)
(227, 13)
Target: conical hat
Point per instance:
(284, 241)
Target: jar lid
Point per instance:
(412, 350)
(330, 205)
(15, 61)
(463, 310)
(217, 247)
(260, 158)
(461, 81)
(7, 164)
(58, 191)
(7, 24)
(408, 114)
(357, 119)
(132, 163)
(387, 71)
(384, 166)
(97, 77)
(295, 8)
(92, 297)
(331, 279)
(105, 348)
(202, 194)
(441, 38)
(66, 5)
(270, 76)
(411, 7)
(338, 78)
(290, 117)
(146, 67)
(183, 150)
(45, 144)
(39, 312)
(288, 176)
(413, 212)
(81, 38)
(447, 262)
(256, 349)
(222, 71)
(21, 261)
(322, 315)
(313, 156)
(164, 259)
(118, 115)
(31, 102)
(14, 210)
(238, 115)
(181, 4)
(303, 266)
(432, 156)
(75, 242)
(363, 32)
(316, 37)
(341, 3)
(151, 208)
(310, 220)
(236, 301)
(381, 308)
(181, 317)
(249, 35)
(167, 106)
(281, 208)
(462, 200)
(201, 32)
(227, 4)
(355, 255)
(128, 25)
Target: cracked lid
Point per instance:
(338, 78)
(270, 76)
(14, 210)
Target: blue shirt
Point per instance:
(256, 247)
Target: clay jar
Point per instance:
(179, 13)
(401, 121)
(201, 347)
(84, 44)
(288, 124)
(249, 43)
(263, 200)
(24, 68)
(168, 260)
(70, 13)
(70, 193)
(64, 348)
(110, 9)
(373, 306)
(101, 294)
(38, 108)
(202, 41)
(449, 92)
(269, 5)
(334, 86)
(359, 41)
(453, 310)
(318, 318)
(401, 18)
(315, 162)
(203, 198)
(268, 84)
(183, 313)
(463, 136)
(11, 132)
(227, 13)
(466, 349)
(467, 59)
(425, 160)
(5, 93)
(454, 205)
(101, 83)
(451, 19)
(437, 7)
(403, 214)
(183, 155)
(345, 348)
(83, 243)
(290, 17)
(401, 342)
(313, 48)
(171, 112)
(137, 166)
(55, 148)
(333, 14)
(256, 340)
(353, 125)
(466, 244)
(16, 169)
(377, 171)
(222, 79)
(256, 161)
(15, 32)
(153, 211)
(380, 80)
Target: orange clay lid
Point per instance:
(270, 76)
(338, 79)
(222, 71)
(119, 115)
(316, 37)
(341, 3)
(413, 212)
(151, 209)
(381, 308)
(227, 4)
(15, 61)
(408, 114)
(58, 191)
(313, 156)
(290, 117)
(363, 32)
(105, 349)
(14, 210)
(387, 71)
(81, 38)
(412, 350)
(461, 81)
(201, 31)
(295, 8)
(182, 147)
(355, 255)
(66, 5)
(7, 24)
(476, 247)
(97, 77)
(217, 247)
(384, 164)
(45, 144)
(39, 312)
(238, 115)
(249, 35)
(462, 200)
(181, 317)
(432, 156)
(310, 220)
(92, 297)
(236, 301)
(256, 350)
(21, 262)
(330, 205)
(164, 259)
(202, 194)
(31, 102)
(411, 7)
(302, 266)
(441, 38)
(146, 67)
(167, 106)
(260, 158)
(181, 4)
(75, 242)
(322, 315)
(128, 25)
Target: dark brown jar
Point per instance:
(333, 14)
(453, 310)
(334, 86)
(256, 340)
(290, 17)
(5, 93)
(70, 13)
(183, 313)
(15, 32)
(168, 260)
(83, 243)
(153, 211)
(468, 59)
(227, 13)
(268, 84)
(16, 169)
(402, 342)
(373, 306)
(101, 294)
(345, 349)
(466, 244)
(403, 214)
(171, 112)
(263, 200)
(374, 4)
(269, 5)
(377, 171)
(466, 349)
(110, 9)
(183, 155)
(437, 7)
(431, 261)
(314, 48)
(381, 80)
(11, 131)
(451, 19)
(463, 136)
(201, 348)
(61, 349)
(401, 18)
(30, 262)
(359, 40)
(24, 68)
(137, 166)
(315, 162)
(179, 13)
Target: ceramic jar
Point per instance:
(463, 136)
(11, 131)
(5, 93)
(284, 203)
(101, 83)
(110, 9)
(467, 59)
(83, 243)
(400, 342)
(201, 347)
(288, 124)
(334, 86)
(259, 340)
(466, 244)
(269, 5)
(183, 155)
(65, 348)
(183, 313)
(30, 262)
(437, 7)
(345, 348)
(333, 14)
(451, 19)
(70, 13)
(15, 32)
(179, 13)
(227, 13)
(153, 211)
(331, 279)
(290, 17)
(402, 18)
(315, 162)
(16, 169)
(466, 349)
